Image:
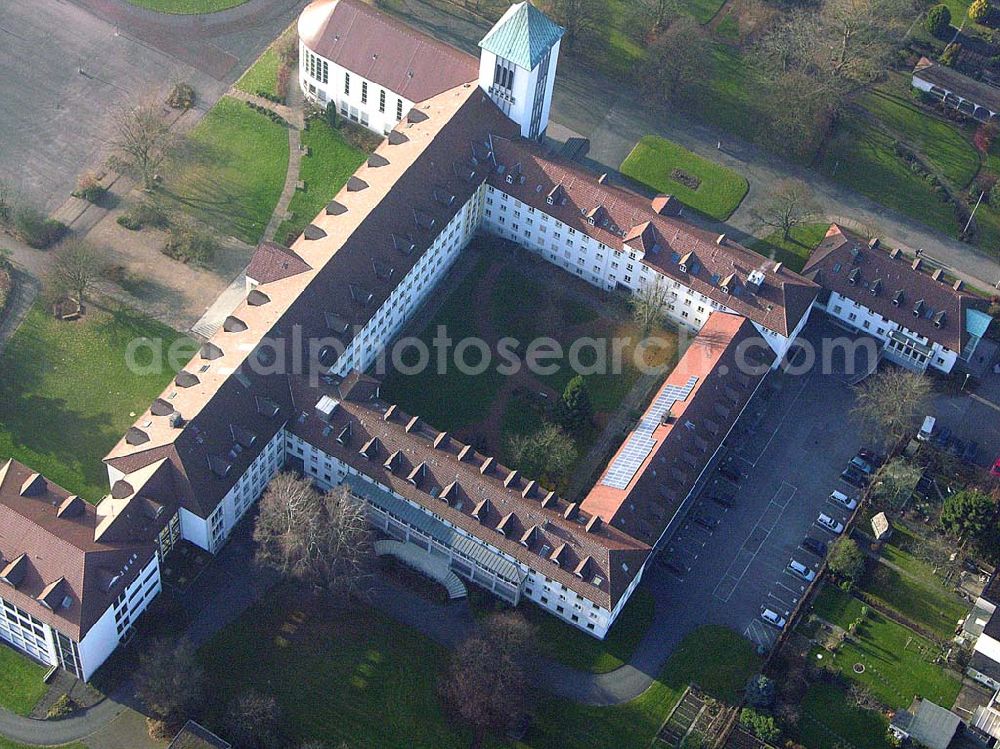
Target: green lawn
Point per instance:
(653, 160)
(830, 720)
(68, 394)
(5, 744)
(898, 662)
(569, 645)
(862, 158)
(331, 161)
(940, 141)
(716, 658)
(21, 686)
(925, 602)
(795, 250)
(262, 76)
(703, 10)
(187, 6)
(231, 170)
(338, 676)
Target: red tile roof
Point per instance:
(272, 262)
(483, 497)
(63, 548)
(621, 216)
(843, 262)
(386, 51)
(684, 444)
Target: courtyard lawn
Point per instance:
(21, 686)
(68, 395)
(898, 663)
(795, 250)
(262, 76)
(715, 658)
(927, 603)
(231, 169)
(187, 6)
(350, 676)
(862, 157)
(331, 161)
(567, 644)
(667, 167)
(829, 720)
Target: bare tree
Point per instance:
(649, 305)
(862, 34)
(487, 683)
(320, 539)
(144, 137)
(787, 206)
(578, 17)
(546, 455)
(656, 14)
(170, 681)
(252, 721)
(77, 266)
(678, 61)
(890, 401)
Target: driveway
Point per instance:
(614, 116)
(67, 67)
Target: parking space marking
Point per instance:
(755, 541)
(781, 422)
(761, 634)
(787, 607)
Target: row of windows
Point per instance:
(317, 68)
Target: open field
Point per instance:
(830, 720)
(795, 250)
(187, 6)
(68, 394)
(716, 658)
(331, 161)
(669, 168)
(230, 170)
(898, 663)
(338, 676)
(21, 686)
(567, 644)
(521, 296)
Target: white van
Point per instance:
(800, 570)
(773, 618)
(927, 430)
(843, 500)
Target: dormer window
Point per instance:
(549, 200)
(510, 178)
(854, 276)
(918, 308)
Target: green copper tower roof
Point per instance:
(523, 36)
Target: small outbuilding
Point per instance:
(926, 724)
(881, 527)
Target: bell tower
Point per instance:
(517, 66)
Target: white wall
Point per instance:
(369, 112)
(518, 102)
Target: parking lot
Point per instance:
(728, 560)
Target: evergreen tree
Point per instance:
(574, 409)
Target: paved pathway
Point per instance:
(614, 116)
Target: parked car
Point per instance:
(843, 500)
(854, 477)
(814, 545)
(970, 451)
(706, 521)
(800, 570)
(995, 468)
(832, 525)
(773, 618)
(927, 430)
(862, 465)
(730, 473)
(721, 500)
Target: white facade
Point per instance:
(523, 95)
(356, 98)
(901, 345)
(52, 647)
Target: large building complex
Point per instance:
(462, 155)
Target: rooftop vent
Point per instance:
(175, 420)
(185, 379)
(313, 232)
(135, 436)
(234, 325)
(161, 407)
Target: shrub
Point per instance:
(89, 188)
(61, 707)
(144, 213)
(6, 285)
(938, 20)
(181, 96)
(190, 245)
(762, 726)
(995, 195)
(979, 11)
(36, 230)
(128, 221)
(281, 83)
(950, 55)
(332, 116)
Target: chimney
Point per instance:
(916, 264)
(957, 286)
(936, 275)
